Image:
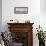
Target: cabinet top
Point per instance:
(19, 23)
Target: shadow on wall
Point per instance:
(0, 15)
(0, 23)
(43, 6)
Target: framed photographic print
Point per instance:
(21, 10)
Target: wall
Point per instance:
(0, 15)
(8, 10)
(34, 14)
(43, 6)
(43, 14)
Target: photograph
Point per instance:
(22, 23)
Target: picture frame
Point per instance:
(21, 10)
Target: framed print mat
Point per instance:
(21, 10)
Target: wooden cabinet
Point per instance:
(22, 33)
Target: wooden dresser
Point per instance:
(22, 33)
